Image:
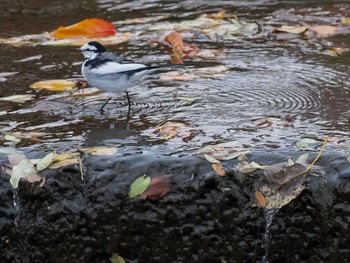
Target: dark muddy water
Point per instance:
(296, 84)
(266, 78)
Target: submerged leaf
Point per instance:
(302, 158)
(139, 186)
(305, 142)
(91, 27)
(100, 150)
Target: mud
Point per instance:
(204, 218)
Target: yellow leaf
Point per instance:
(101, 150)
(217, 167)
(92, 27)
(346, 21)
(18, 98)
(291, 29)
(54, 85)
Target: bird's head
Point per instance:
(92, 49)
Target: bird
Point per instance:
(112, 73)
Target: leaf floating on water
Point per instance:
(66, 162)
(217, 167)
(91, 27)
(291, 29)
(210, 158)
(100, 150)
(116, 259)
(11, 138)
(173, 129)
(323, 31)
(54, 85)
(305, 142)
(158, 187)
(235, 155)
(139, 186)
(18, 98)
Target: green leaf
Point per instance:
(45, 162)
(11, 138)
(302, 158)
(23, 169)
(115, 258)
(139, 186)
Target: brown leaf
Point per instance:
(158, 187)
(260, 199)
(264, 123)
(34, 177)
(323, 31)
(217, 167)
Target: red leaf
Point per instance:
(91, 27)
(158, 187)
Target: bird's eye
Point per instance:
(88, 49)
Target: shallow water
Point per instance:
(292, 80)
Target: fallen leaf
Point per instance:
(116, 259)
(18, 98)
(11, 138)
(210, 158)
(260, 199)
(91, 27)
(15, 159)
(34, 177)
(171, 129)
(323, 31)
(291, 29)
(54, 85)
(282, 183)
(45, 162)
(235, 155)
(66, 162)
(139, 186)
(217, 167)
(158, 187)
(302, 158)
(305, 142)
(100, 150)
(346, 21)
(263, 123)
(219, 15)
(336, 51)
(9, 150)
(23, 169)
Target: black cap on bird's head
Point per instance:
(92, 49)
(99, 47)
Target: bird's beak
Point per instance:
(77, 49)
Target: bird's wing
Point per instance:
(116, 68)
(109, 56)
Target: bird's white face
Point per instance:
(89, 51)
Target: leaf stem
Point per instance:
(319, 154)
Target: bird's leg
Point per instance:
(101, 109)
(129, 103)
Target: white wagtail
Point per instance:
(111, 73)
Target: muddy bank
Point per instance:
(204, 218)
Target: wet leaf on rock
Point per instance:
(45, 162)
(219, 169)
(302, 158)
(139, 186)
(116, 259)
(54, 85)
(260, 199)
(210, 158)
(158, 187)
(91, 27)
(291, 29)
(22, 170)
(282, 183)
(18, 98)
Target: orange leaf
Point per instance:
(260, 199)
(92, 27)
(175, 40)
(217, 167)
